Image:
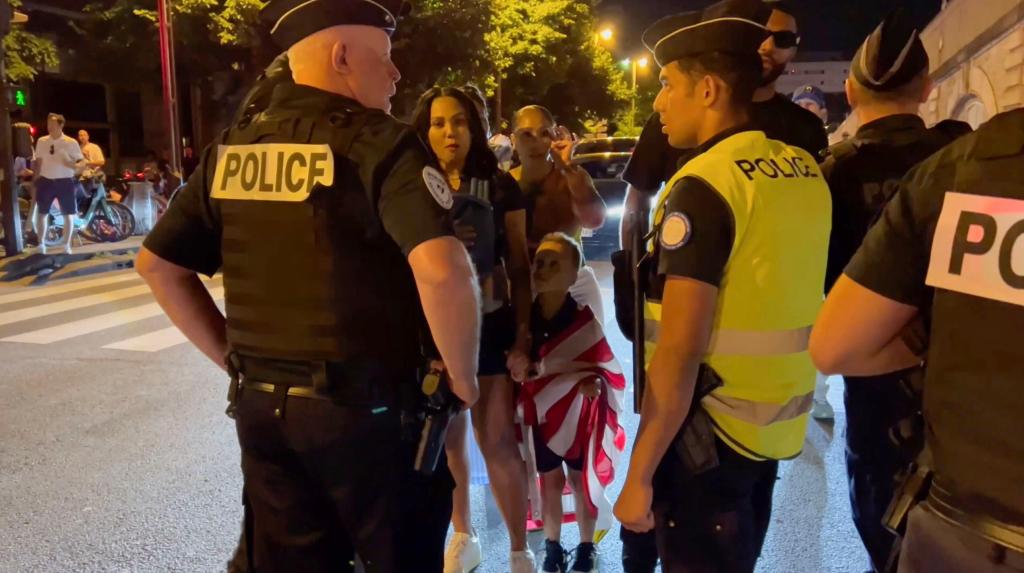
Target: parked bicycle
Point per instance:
(102, 220)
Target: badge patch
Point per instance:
(676, 231)
(438, 187)
(285, 172)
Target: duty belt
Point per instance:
(344, 384)
(947, 506)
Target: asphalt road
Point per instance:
(115, 454)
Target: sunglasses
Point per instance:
(786, 39)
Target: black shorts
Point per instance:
(60, 190)
(497, 335)
(549, 461)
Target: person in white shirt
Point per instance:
(58, 161)
(93, 153)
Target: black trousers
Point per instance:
(325, 483)
(714, 522)
(639, 551)
(874, 406)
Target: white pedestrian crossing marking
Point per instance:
(32, 293)
(152, 342)
(42, 310)
(123, 301)
(96, 324)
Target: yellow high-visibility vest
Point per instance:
(770, 293)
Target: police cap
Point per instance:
(729, 26)
(892, 55)
(811, 93)
(293, 20)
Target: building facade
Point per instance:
(977, 58)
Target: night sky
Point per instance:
(825, 25)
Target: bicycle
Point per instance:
(102, 222)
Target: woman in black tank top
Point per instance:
(489, 216)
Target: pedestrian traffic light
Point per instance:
(18, 96)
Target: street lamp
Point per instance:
(607, 34)
(641, 62)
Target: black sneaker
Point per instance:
(554, 557)
(586, 558)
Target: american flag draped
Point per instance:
(571, 424)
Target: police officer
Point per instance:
(329, 224)
(950, 242)
(742, 237)
(888, 82)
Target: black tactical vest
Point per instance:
(317, 279)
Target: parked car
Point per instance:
(605, 159)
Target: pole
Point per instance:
(170, 81)
(8, 179)
(632, 113)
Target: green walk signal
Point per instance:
(20, 99)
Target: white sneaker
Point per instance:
(42, 248)
(522, 562)
(463, 554)
(823, 411)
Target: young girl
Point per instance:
(451, 122)
(560, 196)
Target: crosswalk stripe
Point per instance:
(96, 323)
(38, 292)
(152, 342)
(70, 304)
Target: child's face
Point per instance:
(553, 268)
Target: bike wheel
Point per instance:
(55, 229)
(105, 225)
(126, 225)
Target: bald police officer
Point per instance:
(741, 241)
(950, 242)
(329, 224)
(887, 84)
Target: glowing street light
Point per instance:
(607, 34)
(643, 62)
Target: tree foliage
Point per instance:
(536, 51)
(25, 53)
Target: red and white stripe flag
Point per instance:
(572, 425)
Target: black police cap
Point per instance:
(892, 56)
(729, 26)
(293, 20)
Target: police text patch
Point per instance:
(438, 187)
(676, 231)
(978, 248)
(271, 171)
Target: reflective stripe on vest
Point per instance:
(770, 293)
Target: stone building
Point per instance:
(977, 56)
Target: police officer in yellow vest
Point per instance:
(740, 251)
(950, 243)
(329, 223)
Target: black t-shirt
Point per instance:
(654, 161)
(543, 330)
(863, 173)
(781, 119)
(974, 381)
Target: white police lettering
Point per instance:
(978, 248)
(438, 187)
(676, 231)
(271, 171)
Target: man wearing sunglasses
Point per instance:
(58, 161)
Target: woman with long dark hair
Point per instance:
(490, 218)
